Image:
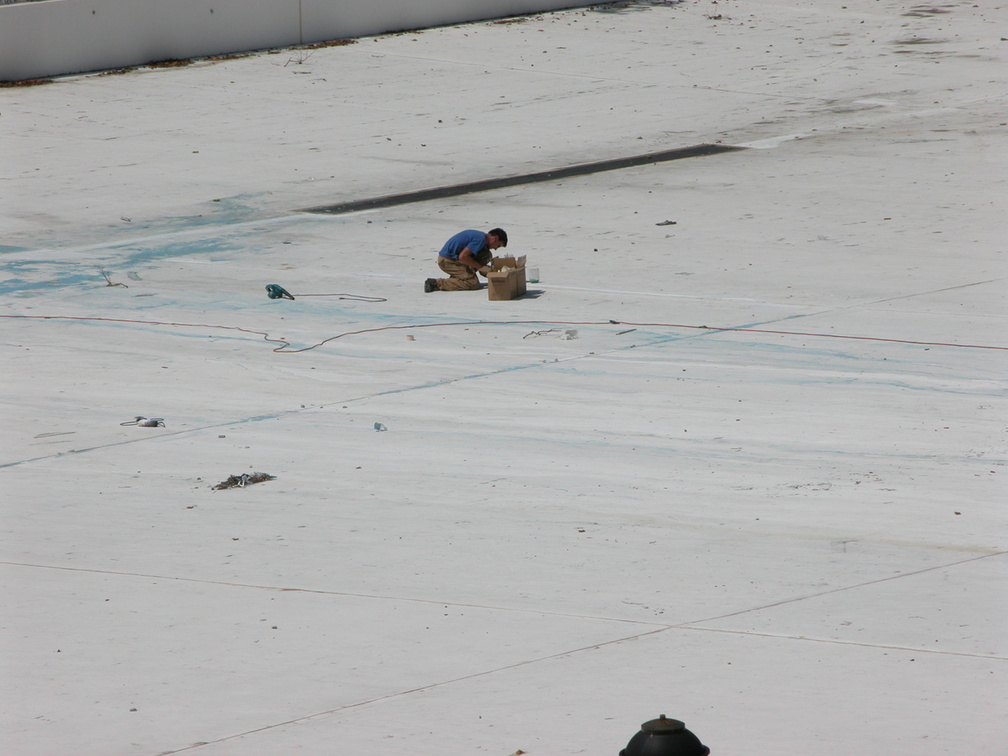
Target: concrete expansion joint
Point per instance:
(583, 169)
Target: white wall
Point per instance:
(55, 37)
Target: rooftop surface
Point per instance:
(738, 458)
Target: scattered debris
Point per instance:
(108, 279)
(25, 83)
(301, 58)
(117, 71)
(240, 481)
(566, 335)
(169, 63)
(380, 427)
(146, 422)
(330, 43)
(540, 333)
(230, 56)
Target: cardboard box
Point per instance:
(507, 278)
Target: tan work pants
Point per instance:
(461, 277)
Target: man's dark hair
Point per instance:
(501, 234)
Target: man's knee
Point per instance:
(456, 283)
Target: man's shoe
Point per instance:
(429, 285)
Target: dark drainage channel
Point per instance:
(443, 192)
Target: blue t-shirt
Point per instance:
(475, 240)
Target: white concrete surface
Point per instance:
(789, 533)
(56, 37)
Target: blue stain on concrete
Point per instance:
(40, 274)
(21, 280)
(223, 211)
(225, 228)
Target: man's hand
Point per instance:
(467, 258)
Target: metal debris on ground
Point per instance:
(540, 333)
(108, 279)
(565, 335)
(240, 481)
(146, 422)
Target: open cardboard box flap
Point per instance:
(507, 262)
(506, 279)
